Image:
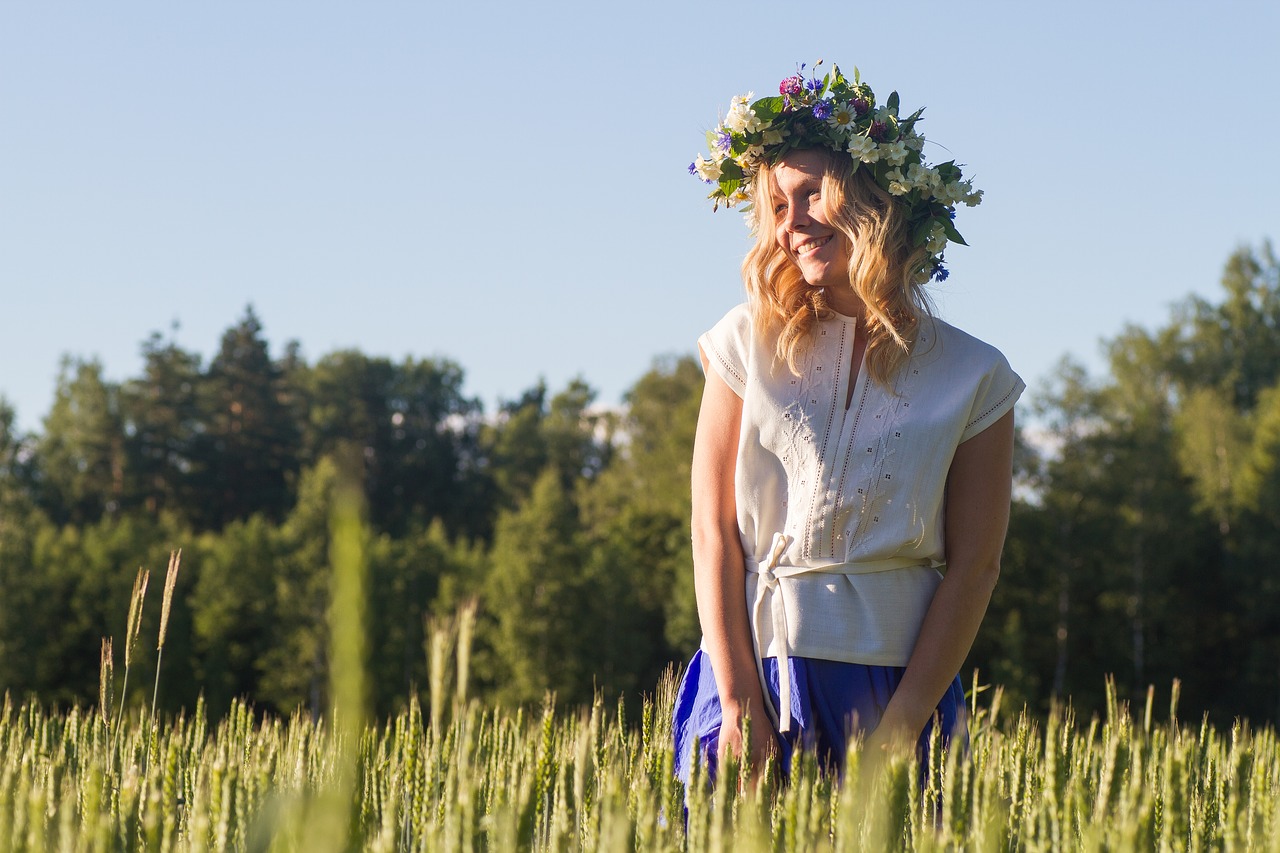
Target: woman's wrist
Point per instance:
(739, 706)
(900, 721)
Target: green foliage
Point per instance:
(82, 450)
(546, 610)
(1148, 544)
(533, 434)
(233, 608)
(164, 429)
(248, 451)
(637, 512)
(417, 433)
(78, 589)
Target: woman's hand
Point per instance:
(887, 738)
(763, 742)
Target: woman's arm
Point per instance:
(979, 489)
(719, 574)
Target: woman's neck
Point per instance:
(844, 301)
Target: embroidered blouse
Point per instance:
(841, 509)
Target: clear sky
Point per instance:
(504, 184)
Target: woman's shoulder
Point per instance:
(737, 317)
(951, 364)
(939, 342)
(735, 330)
(726, 346)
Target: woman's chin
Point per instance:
(823, 276)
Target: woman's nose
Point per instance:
(796, 216)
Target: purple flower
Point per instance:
(877, 131)
(821, 110)
(724, 141)
(860, 106)
(791, 86)
(940, 273)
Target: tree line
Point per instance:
(566, 521)
(1144, 540)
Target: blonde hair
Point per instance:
(882, 269)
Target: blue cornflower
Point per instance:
(693, 168)
(724, 141)
(940, 273)
(952, 214)
(822, 110)
(813, 84)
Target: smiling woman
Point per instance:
(853, 458)
(803, 228)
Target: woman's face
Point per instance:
(803, 230)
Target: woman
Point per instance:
(838, 422)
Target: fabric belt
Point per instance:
(769, 590)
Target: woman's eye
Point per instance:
(778, 208)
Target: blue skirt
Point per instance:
(830, 703)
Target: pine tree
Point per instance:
(248, 453)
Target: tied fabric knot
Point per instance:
(768, 588)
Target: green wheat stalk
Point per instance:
(132, 629)
(170, 581)
(106, 677)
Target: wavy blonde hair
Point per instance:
(882, 269)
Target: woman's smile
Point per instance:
(812, 245)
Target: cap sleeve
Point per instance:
(999, 389)
(725, 347)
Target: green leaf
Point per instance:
(730, 169)
(826, 84)
(952, 234)
(892, 103)
(910, 121)
(730, 187)
(921, 232)
(948, 171)
(857, 76)
(711, 140)
(767, 108)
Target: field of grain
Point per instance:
(602, 778)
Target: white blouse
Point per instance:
(841, 510)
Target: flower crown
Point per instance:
(834, 113)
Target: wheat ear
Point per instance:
(106, 675)
(131, 634)
(170, 581)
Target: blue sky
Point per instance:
(504, 184)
